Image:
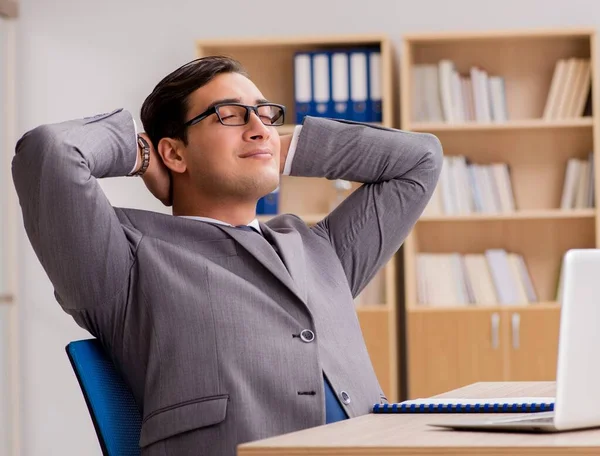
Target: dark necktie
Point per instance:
(247, 228)
(333, 409)
(266, 238)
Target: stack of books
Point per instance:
(465, 188)
(443, 94)
(569, 94)
(495, 277)
(578, 188)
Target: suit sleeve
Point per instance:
(75, 232)
(399, 171)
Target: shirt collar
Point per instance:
(254, 223)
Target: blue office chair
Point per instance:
(115, 414)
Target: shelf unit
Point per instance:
(270, 64)
(9, 359)
(447, 348)
(524, 124)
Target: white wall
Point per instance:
(80, 57)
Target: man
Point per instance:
(226, 329)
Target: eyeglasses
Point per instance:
(236, 114)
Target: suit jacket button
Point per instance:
(307, 336)
(345, 397)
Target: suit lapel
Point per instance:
(291, 250)
(260, 248)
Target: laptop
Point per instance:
(577, 401)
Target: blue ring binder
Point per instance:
(463, 408)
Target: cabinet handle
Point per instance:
(495, 330)
(516, 331)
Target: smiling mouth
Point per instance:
(257, 154)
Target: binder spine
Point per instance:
(303, 86)
(369, 95)
(376, 109)
(268, 204)
(321, 76)
(358, 85)
(463, 408)
(340, 85)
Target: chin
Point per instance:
(270, 177)
(268, 185)
(258, 184)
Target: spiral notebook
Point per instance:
(488, 405)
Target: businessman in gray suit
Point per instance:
(228, 330)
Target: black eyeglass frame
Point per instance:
(215, 110)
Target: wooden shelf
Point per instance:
(260, 55)
(286, 129)
(499, 35)
(374, 308)
(452, 345)
(529, 124)
(460, 348)
(541, 242)
(289, 129)
(299, 41)
(426, 308)
(378, 325)
(551, 214)
(309, 219)
(525, 60)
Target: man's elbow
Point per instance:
(29, 158)
(34, 140)
(435, 151)
(433, 158)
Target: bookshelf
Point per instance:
(448, 346)
(9, 359)
(270, 64)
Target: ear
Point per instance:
(172, 153)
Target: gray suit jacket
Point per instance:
(203, 319)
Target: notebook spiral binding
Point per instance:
(463, 408)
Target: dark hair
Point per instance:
(164, 110)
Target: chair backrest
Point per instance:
(114, 412)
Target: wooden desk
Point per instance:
(378, 435)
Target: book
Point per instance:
(487, 405)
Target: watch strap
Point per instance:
(145, 153)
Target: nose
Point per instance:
(256, 130)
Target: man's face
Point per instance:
(231, 161)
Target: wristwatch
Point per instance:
(145, 152)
